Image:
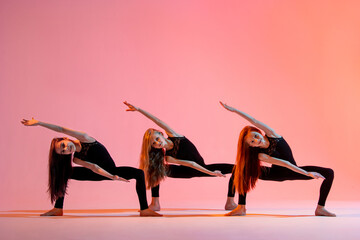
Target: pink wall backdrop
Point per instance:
(293, 64)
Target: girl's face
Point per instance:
(65, 147)
(157, 140)
(255, 139)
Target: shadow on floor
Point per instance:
(89, 213)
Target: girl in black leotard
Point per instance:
(253, 147)
(97, 166)
(158, 155)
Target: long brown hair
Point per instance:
(152, 161)
(60, 169)
(247, 169)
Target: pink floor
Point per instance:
(281, 222)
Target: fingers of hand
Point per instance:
(120, 179)
(321, 176)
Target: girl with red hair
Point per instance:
(254, 148)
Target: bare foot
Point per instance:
(155, 204)
(53, 212)
(321, 211)
(240, 210)
(149, 213)
(230, 204)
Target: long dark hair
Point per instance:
(247, 169)
(152, 161)
(60, 169)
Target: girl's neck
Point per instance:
(169, 145)
(266, 143)
(77, 145)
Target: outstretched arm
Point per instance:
(277, 161)
(81, 136)
(268, 131)
(169, 131)
(98, 170)
(194, 165)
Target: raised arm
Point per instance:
(277, 161)
(81, 136)
(268, 130)
(169, 131)
(98, 170)
(194, 165)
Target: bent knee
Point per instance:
(329, 173)
(139, 174)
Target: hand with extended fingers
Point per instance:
(31, 122)
(116, 177)
(315, 175)
(231, 109)
(218, 173)
(131, 107)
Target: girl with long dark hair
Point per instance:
(159, 154)
(254, 147)
(96, 162)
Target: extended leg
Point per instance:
(84, 174)
(284, 174)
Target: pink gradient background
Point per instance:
(294, 65)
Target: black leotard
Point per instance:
(96, 153)
(183, 149)
(279, 148)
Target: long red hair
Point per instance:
(247, 168)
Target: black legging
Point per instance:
(175, 171)
(85, 174)
(280, 174)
